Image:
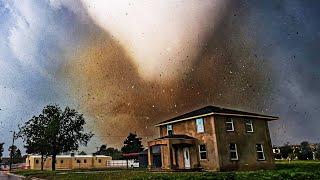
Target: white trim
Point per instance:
(253, 116)
(178, 120)
(232, 125)
(200, 130)
(171, 128)
(208, 114)
(235, 150)
(248, 122)
(264, 158)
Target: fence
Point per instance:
(122, 163)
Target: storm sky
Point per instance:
(128, 65)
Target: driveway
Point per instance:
(5, 176)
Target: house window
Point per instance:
(233, 151)
(61, 161)
(37, 161)
(229, 124)
(84, 161)
(78, 161)
(248, 125)
(260, 153)
(169, 129)
(203, 151)
(99, 160)
(200, 125)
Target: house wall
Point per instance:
(69, 162)
(103, 163)
(246, 144)
(208, 137)
(35, 163)
(82, 165)
(61, 163)
(194, 160)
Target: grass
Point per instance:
(295, 170)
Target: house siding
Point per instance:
(208, 137)
(246, 144)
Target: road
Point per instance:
(5, 176)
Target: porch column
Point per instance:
(169, 155)
(150, 157)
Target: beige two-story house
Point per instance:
(213, 138)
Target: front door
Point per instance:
(186, 156)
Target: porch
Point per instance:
(175, 152)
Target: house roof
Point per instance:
(210, 110)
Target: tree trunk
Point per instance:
(54, 154)
(41, 162)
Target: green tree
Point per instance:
(305, 151)
(1, 151)
(63, 131)
(114, 153)
(82, 153)
(16, 154)
(317, 155)
(285, 150)
(102, 149)
(295, 153)
(35, 137)
(132, 144)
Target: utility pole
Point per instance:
(11, 153)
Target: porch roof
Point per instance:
(173, 139)
(177, 136)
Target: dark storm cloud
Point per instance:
(287, 36)
(35, 39)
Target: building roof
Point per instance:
(210, 110)
(68, 156)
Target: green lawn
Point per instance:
(284, 170)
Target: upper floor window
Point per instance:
(233, 151)
(229, 124)
(203, 151)
(99, 160)
(37, 161)
(169, 130)
(85, 161)
(260, 153)
(200, 125)
(248, 125)
(61, 161)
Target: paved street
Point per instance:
(4, 176)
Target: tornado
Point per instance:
(148, 61)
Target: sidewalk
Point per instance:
(6, 175)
